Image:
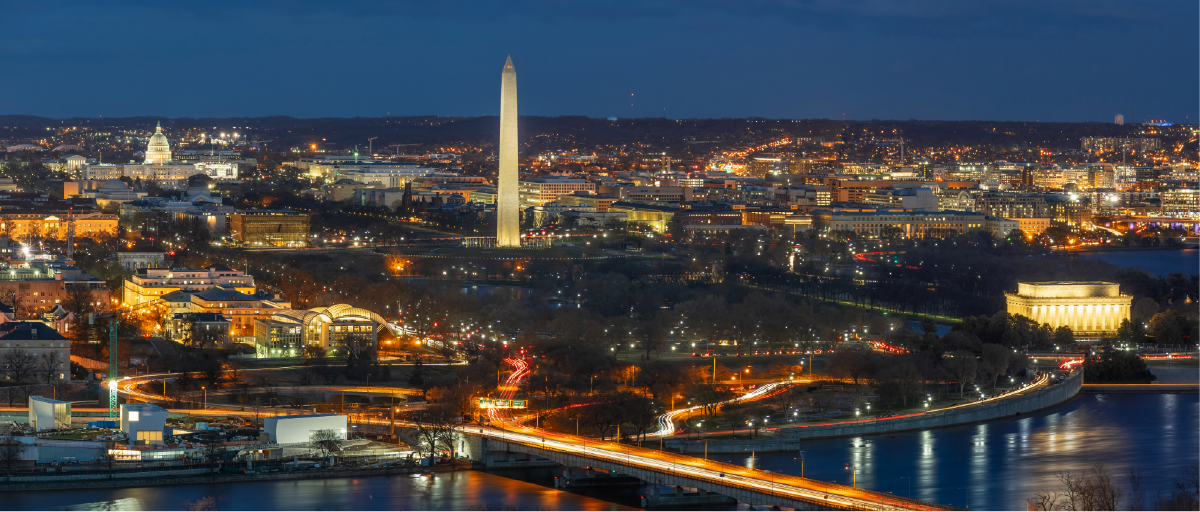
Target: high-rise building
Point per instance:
(508, 233)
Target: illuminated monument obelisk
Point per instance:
(508, 229)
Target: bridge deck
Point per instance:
(748, 485)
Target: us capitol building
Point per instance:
(160, 168)
(1091, 309)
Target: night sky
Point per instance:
(1048, 60)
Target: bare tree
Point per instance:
(11, 453)
(19, 366)
(709, 396)
(105, 457)
(435, 428)
(962, 366)
(51, 366)
(1089, 490)
(328, 441)
(11, 297)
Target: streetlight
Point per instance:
(205, 389)
(909, 478)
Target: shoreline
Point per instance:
(207, 478)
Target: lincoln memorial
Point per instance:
(1088, 308)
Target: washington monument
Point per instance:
(508, 229)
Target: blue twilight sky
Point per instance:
(1049, 60)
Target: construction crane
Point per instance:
(371, 146)
(113, 369)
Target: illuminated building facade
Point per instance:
(1183, 203)
(884, 222)
(159, 150)
(151, 284)
(1088, 308)
(540, 191)
(269, 228)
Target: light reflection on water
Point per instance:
(1002, 463)
(998, 464)
(464, 490)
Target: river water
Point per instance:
(1156, 262)
(997, 465)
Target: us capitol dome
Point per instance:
(159, 150)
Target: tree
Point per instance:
(962, 367)
(19, 366)
(1133, 333)
(434, 428)
(51, 366)
(1144, 309)
(787, 399)
(993, 363)
(709, 396)
(11, 453)
(1063, 337)
(1117, 366)
(105, 456)
(855, 363)
(900, 381)
(328, 441)
(1089, 490)
(1171, 328)
(313, 353)
(11, 297)
(736, 414)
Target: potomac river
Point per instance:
(994, 465)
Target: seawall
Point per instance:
(790, 437)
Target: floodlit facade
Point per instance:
(883, 223)
(300, 428)
(270, 228)
(143, 423)
(1088, 308)
(508, 213)
(150, 284)
(158, 151)
(46, 413)
(338, 329)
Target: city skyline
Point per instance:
(1063, 62)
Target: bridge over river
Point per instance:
(756, 487)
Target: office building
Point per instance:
(539, 191)
(1181, 203)
(151, 284)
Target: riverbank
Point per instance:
(202, 476)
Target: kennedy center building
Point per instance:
(508, 229)
(1088, 308)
